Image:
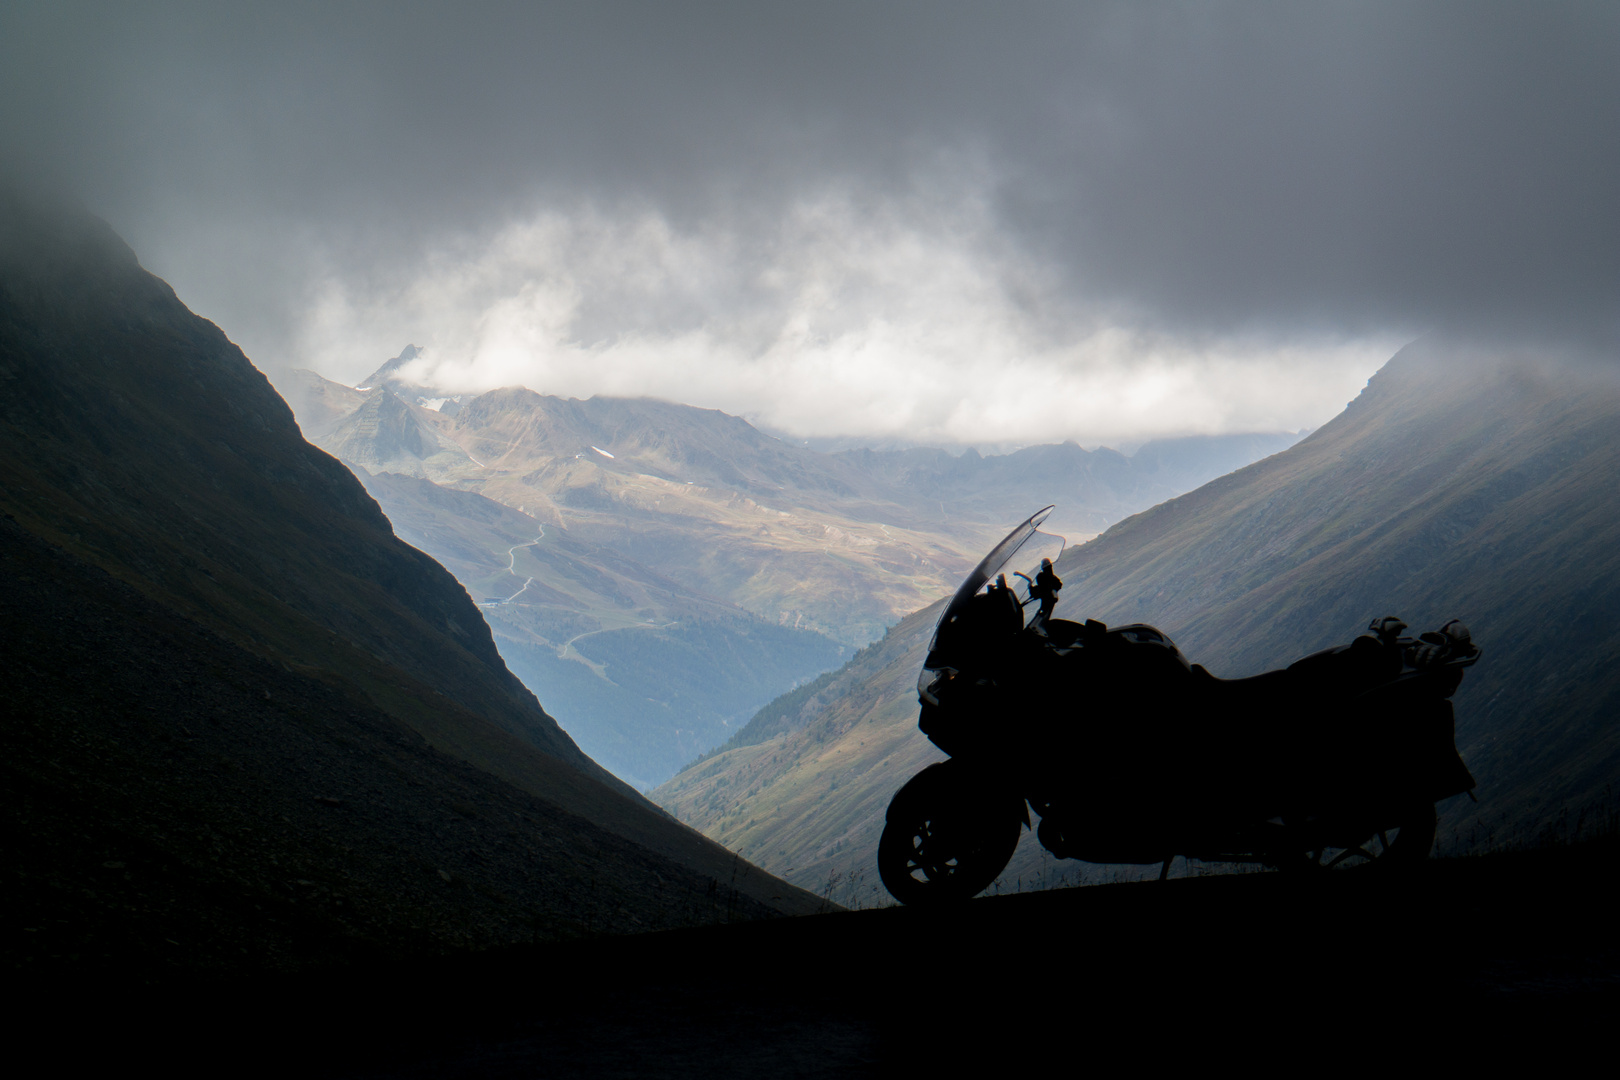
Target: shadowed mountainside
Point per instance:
(1460, 483)
(175, 803)
(155, 480)
(139, 439)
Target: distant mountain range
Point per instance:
(658, 572)
(247, 727)
(1461, 483)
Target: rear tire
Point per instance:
(1412, 842)
(1395, 849)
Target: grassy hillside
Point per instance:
(804, 786)
(1459, 484)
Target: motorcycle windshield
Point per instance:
(991, 565)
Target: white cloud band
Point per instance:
(907, 321)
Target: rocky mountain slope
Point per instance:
(798, 538)
(180, 556)
(1460, 483)
(394, 437)
(843, 544)
(658, 572)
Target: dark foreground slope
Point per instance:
(173, 803)
(1471, 958)
(157, 489)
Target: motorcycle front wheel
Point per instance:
(940, 844)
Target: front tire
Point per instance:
(944, 842)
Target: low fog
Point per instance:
(904, 222)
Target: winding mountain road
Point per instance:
(511, 568)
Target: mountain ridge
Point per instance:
(754, 520)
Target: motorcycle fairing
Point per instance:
(963, 627)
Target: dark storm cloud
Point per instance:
(1202, 168)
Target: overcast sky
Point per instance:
(994, 223)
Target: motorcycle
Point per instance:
(1127, 753)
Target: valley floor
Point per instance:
(1469, 957)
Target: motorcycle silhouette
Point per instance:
(1129, 754)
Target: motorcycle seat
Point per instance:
(1340, 673)
(1263, 691)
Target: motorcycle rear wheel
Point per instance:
(1402, 847)
(939, 847)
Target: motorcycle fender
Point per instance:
(950, 782)
(1439, 770)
